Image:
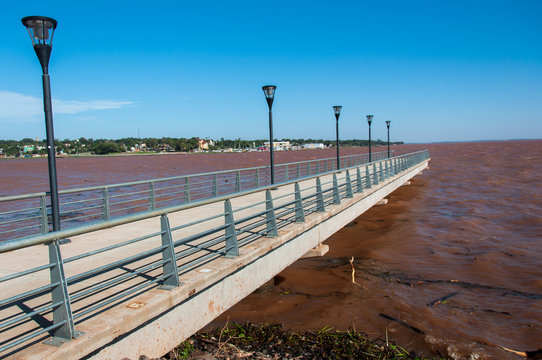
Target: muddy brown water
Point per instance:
(452, 265)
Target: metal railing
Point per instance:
(50, 300)
(29, 214)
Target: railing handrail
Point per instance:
(139, 182)
(64, 234)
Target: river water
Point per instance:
(450, 266)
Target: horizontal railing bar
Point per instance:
(32, 209)
(199, 235)
(26, 272)
(81, 217)
(20, 229)
(105, 268)
(78, 296)
(33, 335)
(195, 222)
(249, 206)
(62, 204)
(121, 295)
(27, 294)
(196, 262)
(30, 314)
(124, 243)
(113, 196)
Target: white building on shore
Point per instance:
(279, 145)
(314, 146)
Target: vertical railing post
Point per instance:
(286, 174)
(215, 185)
(336, 193)
(105, 204)
(238, 181)
(298, 171)
(381, 173)
(62, 313)
(359, 187)
(169, 266)
(187, 189)
(387, 170)
(320, 205)
(309, 168)
(43, 216)
(349, 193)
(367, 178)
(299, 212)
(232, 248)
(152, 197)
(375, 174)
(270, 220)
(258, 177)
(317, 166)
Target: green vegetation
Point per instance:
(250, 341)
(31, 147)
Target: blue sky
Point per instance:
(439, 70)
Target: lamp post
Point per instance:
(388, 122)
(41, 30)
(369, 121)
(269, 92)
(337, 110)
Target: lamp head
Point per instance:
(369, 119)
(41, 30)
(388, 122)
(337, 110)
(269, 92)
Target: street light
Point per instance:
(337, 110)
(369, 121)
(269, 92)
(388, 122)
(41, 30)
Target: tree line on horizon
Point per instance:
(107, 146)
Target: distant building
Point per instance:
(314, 146)
(203, 144)
(165, 148)
(278, 145)
(28, 148)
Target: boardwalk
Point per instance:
(142, 284)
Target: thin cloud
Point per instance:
(16, 106)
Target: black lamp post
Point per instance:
(41, 30)
(337, 110)
(388, 122)
(369, 121)
(269, 91)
